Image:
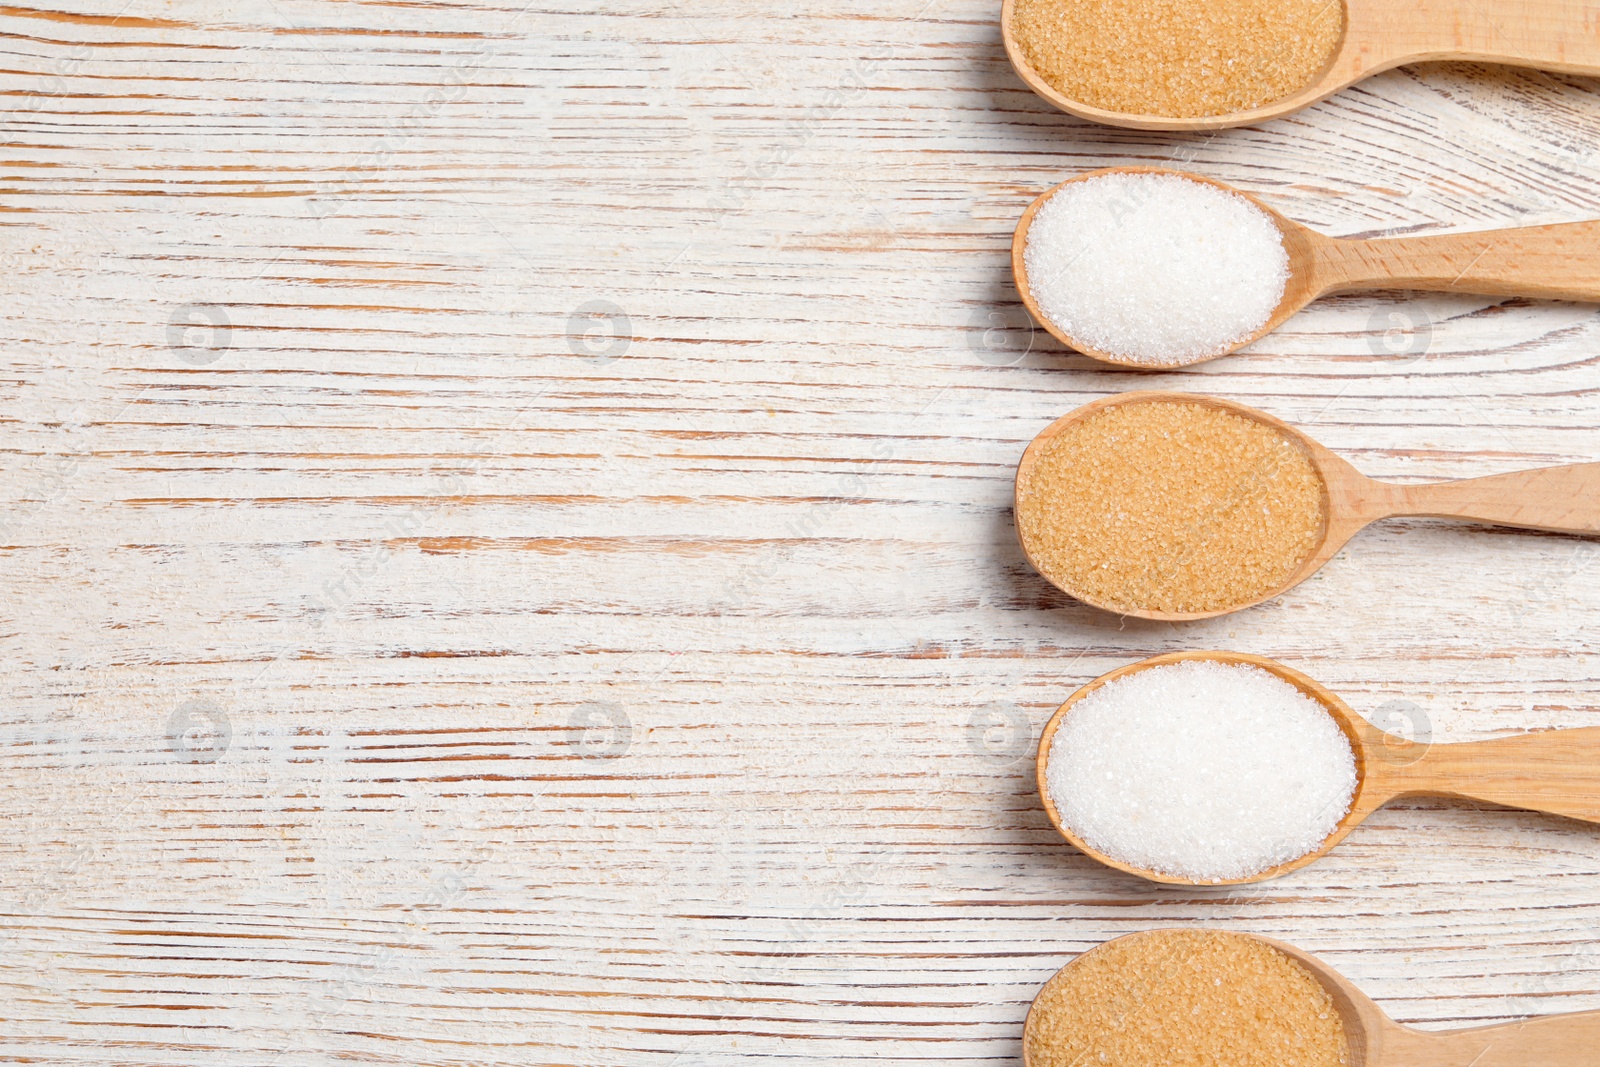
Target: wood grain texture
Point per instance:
(1558, 1040)
(508, 553)
(1559, 262)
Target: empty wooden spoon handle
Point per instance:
(1561, 499)
(1547, 34)
(1555, 771)
(1557, 262)
(1547, 1041)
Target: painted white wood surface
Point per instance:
(394, 675)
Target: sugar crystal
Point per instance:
(1163, 57)
(1185, 998)
(1169, 505)
(1154, 268)
(1216, 770)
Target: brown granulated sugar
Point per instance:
(1169, 506)
(1178, 58)
(1185, 998)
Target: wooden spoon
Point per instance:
(1553, 771)
(1556, 262)
(1376, 1040)
(1557, 35)
(1558, 499)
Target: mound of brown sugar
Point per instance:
(1178, 58)
(1185, 998)
(1170, 506)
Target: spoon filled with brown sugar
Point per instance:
(1210, 64)
(1196, 996)
(1174, 506)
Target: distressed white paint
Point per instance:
(403, 538)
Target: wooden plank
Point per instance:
(507, 539)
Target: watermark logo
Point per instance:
(1401, 334)
(599, 330)
(198, 334)
(1579, 969)
(1407, 732)
(1000, 732)
(600, 730)
(199, 731)
(1541, 593)
(1001, 336)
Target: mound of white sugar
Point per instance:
(1202, 770)
(1154, 268)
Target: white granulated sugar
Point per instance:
(1201, 770)
(1154, 268)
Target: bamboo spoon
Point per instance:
(1555, 35)
(1555, 771)
(1376, 1040)
(1558, 499)
(1556, 262)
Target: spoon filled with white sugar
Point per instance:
(1219, 768)
(1152, 268)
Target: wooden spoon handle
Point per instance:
(1557, 262)
(1545, 1041)
(1555, 771)
(1561, 499)
(1546, 34)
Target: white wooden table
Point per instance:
(507, 553)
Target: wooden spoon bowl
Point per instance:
(1376, 1040)
(1556, 771)
(1558, 499)
(1557, 262)
(1554, 35)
